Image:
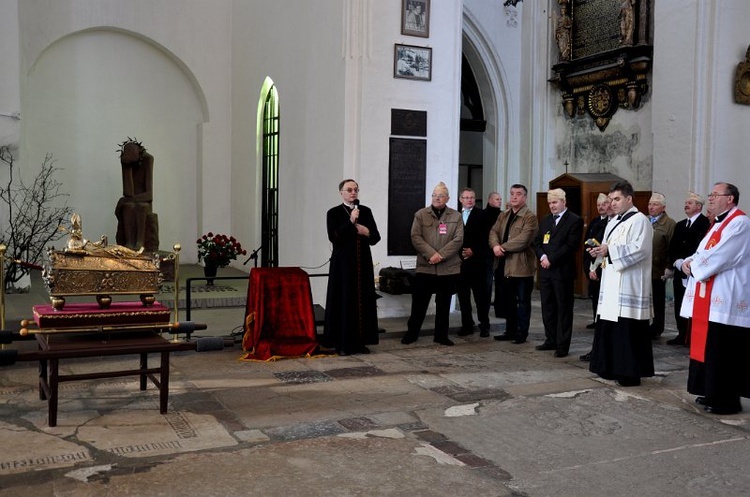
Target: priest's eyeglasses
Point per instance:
(714, 195)
(350, 190)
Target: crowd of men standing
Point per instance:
(628, 258)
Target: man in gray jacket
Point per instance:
(437, 234)
(511, 240)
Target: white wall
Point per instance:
(336, 90)
(700, 134)
(10, 93)
(94, 72)
(492, 45)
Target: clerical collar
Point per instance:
(722, 216)
(438, 212)
(349, 204)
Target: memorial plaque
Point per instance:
(596, 27)
(408, 122)
(406, 191)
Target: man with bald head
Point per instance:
(687, 235)
(660, 266)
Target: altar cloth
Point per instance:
(279, 317)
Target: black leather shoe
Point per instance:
(629, 382)
(546, 346)
(722, 411)
(678, 340)
(342, 352)
(465, 332)
(560, 353)
(444, 341)
(407, 340)
(591, 326)
(585, 357)
(504, 337)
(702, 401)
(518, 341)
(484, 332)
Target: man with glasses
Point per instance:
(716, 298)
(473, 267)
(511, 240)
(437, 234)
(351, 319)
(622, 349)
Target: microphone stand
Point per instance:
(254, 256)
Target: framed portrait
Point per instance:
(415, 18)
(410, 62)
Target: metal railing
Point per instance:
(189, 281)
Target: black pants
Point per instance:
(425, 286)
(557, 311)
(659, 295)
(724, 377)
(473, 280)
(682, 323)
(517, 297)
(500, 304)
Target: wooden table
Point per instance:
(56, 346)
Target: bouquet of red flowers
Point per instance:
(218, 250)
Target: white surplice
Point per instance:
(729, 261)
(626, 278)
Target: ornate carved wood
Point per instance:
(605, 58)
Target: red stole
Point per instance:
(702, 301)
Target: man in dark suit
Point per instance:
(473, 267)
(556, 244)
(595, 231)
(687, 235)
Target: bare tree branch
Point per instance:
(35, 214)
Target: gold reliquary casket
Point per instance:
(95, 268)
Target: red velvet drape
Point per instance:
(279, 318)
(89, 314)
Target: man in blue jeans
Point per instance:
(511, 240)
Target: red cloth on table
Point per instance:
(279, 317)
(90, 314)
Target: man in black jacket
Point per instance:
(490, 214)
(595, 231)
(556, 245)
(687, 235)
(473, 267)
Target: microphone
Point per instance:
(356, 204)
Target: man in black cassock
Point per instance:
(351, 321)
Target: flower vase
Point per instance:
(209, 271)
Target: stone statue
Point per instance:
(563, 33)
(137, 225)
(627, 22)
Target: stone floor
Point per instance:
(482, 418)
